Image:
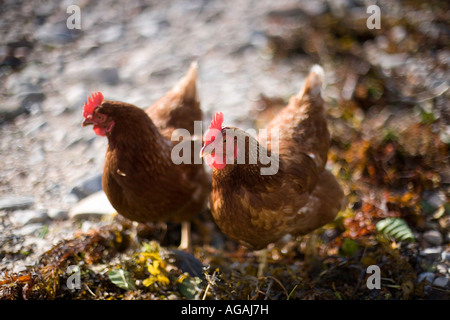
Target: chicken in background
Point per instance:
(139, 177)
(257, 209)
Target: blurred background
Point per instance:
(386, 90)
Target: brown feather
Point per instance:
(256, 209)
(139, 177)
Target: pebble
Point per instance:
(75, 96)
(12, 203)
(56, 33)
(436, 199)
(441, 282)
(24, 217)
(11, 109)
(108, 76)
(431, 253)
(19, 267)
(187, 263)
(95, 205)
(441, 268)
(32, 101)
(428, 276)
(29, 229)
(88, 186)
(433, 237)
(57, 214)
(445, 256)
(37, 156)
(110, 34)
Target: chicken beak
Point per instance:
(207, 149)
(86, 122)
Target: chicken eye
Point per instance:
(100, 117)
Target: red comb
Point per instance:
(217, 121)
(93, 101)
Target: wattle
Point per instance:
(211, 162)
(99, 131)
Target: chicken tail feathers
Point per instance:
(187, 86)
(313, 83)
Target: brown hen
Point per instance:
(256, 200)
(139, 178)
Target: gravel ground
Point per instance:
(134, 51)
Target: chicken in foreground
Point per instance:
(139, 177)
(255, 206)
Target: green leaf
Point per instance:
(122, 279)
(189, 287)
(348, 247)
(395, 228)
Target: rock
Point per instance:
(186, 262)
(436, 199)
(57, 214)
(32, 101)
(441, 268)
(427, 276)
(70, 200)
(13, 203)
(95, 205)
(33, 129)
(445, 256)
(433, 237)
(398, 33)
(86, 226)
(87, 187)
(24, 217)
(28, 102)
(110, 34)
(56, 33)
(36, 156)
(431, 253)
(11, 109)
(109, 76)
(76, 96)
(29, 229)
(19, 267)
(442, 282)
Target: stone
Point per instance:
(109, 76)
(36, 156)
(87, 187)
(10, 109)
(57, 214)
(32, 101)
(29, 229)
(56, 33)
(13, 203)
(442, 282)
(445, 256)
(76, 96)
(19, 267)
(427, 276)
(433, 237)
(95, 205)
(110, 34)
(24, 217)
(187, 263)
(27, 102)
(431, 253)
(441, 268)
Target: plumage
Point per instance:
(139, 177)
(256, 209)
